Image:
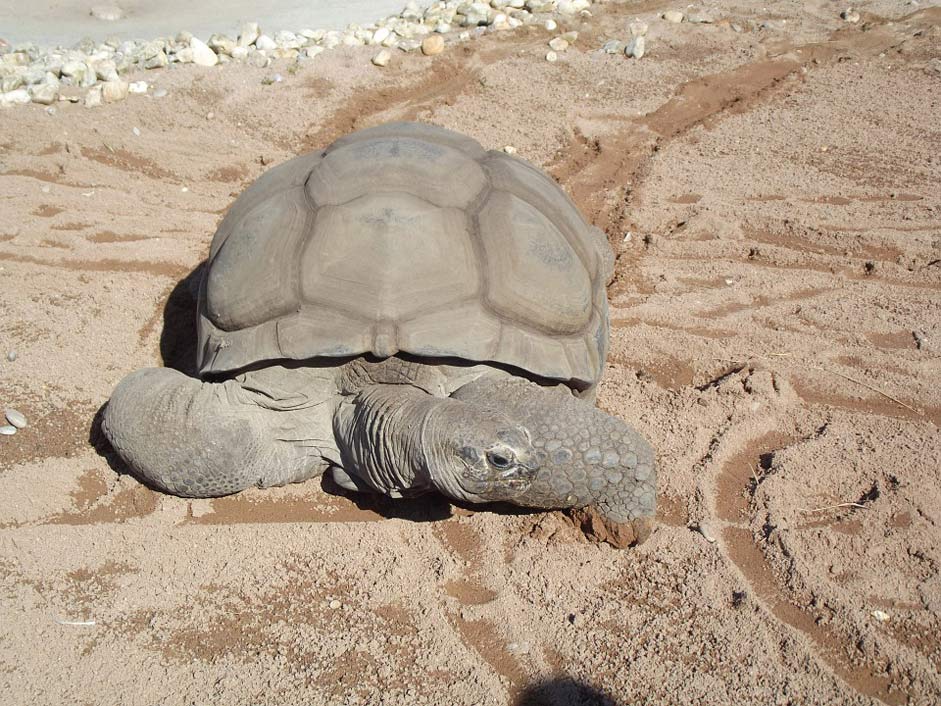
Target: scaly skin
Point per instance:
(588, 457)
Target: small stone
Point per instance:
(265, 43)
(509, 149)
(558, 44)
(552, 57)
(222, 44)
(636, 47)
(380, 35)
(11, 356)
(93, 97)
(613, 46)
(850, 15)
(674, 16)
(287, 40)
(7, 430)
(136, 131)
(157, 61)
(382, 58)
(551, 25)
(706, 532)
(44, 93)
(202, 54)
(137, 87)
(107, 13)
(15, 417)
(248, 33)
(114, 91)
(239, 52)
(334, 604)
(879, 615)
(311, 52)
(638, 28)
(432, 44)
(699, 18)
(160, 93)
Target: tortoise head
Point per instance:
(477, 455)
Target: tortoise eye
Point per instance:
(499, 460)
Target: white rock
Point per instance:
(7, 430)
(572, 7)
(265, 43)
(674, 16)
(287, 40)
(311, 52)
(202, 54)
(137, 87)
(552, 57)
(136, 131)
(222, 44)
(380, 35)
(114, 91)
(45, 93)
(382, 58)
(108, 13)
(558, 44)
(16, 418)
(551, 25)
(706, 531)
(636, 47)
(334, 604)
(184, 55)
(248, 33)
(850, 15)
(699, 18)
(160, 93)
(19, 96)
(93, 97)
(879, 615)
(105, 69)
(613, 46)
(509, 149)
(432, 44)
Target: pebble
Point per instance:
(706, 531)
(509, 149)
(558, 44)
(137, 87)
(11, 356)
(551, 25)
(45, 93)
(202, 54)
(8, 430)
(382, 58)
(880, 615)
(552, 57)
(265, 43)
(700, 18)
(248, 33)
(108, 13)
(15, 417)
(432, 44)
(334, 604)
(136, 131)
(114, 91)
(613, 46)
(636, 47)
(850, 15)
(674, 16)
(160, 93)
(93, 97)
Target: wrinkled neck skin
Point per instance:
(380, 435)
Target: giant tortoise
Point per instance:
(405, 311)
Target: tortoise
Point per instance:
(407, 312)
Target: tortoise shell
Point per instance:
(407, 238)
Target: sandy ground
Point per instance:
(776, 335)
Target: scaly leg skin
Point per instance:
(588, 459)
(200, 439)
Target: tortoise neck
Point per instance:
(379, 432)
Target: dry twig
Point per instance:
(832, 507)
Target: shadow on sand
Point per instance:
(562, 691)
